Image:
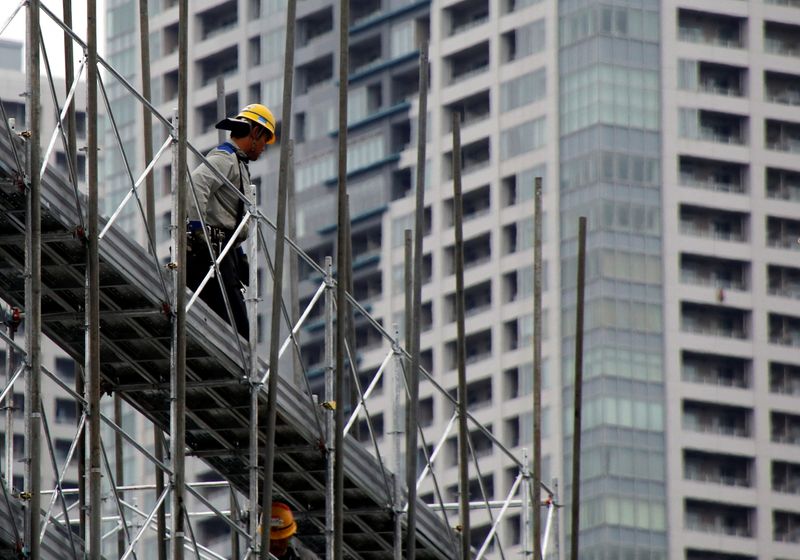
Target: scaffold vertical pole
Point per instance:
(93, 295)
(178, 366)
(277, 283)
(419, 218)
(537, 369)
(461, 361)
(525, 514)
(147, 118)
(294, 272)
(252, 294)
(9, 433)
(338, 464)
(119, 471)
(220, 107)
(397, 428)
(72, 154)
(329, 415)
(578, 393)
(408, 272)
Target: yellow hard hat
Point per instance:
(282, 524)
(255, 112)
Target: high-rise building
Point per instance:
(674, 127)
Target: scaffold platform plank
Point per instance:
(135, 356)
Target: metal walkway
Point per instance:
(135, 356)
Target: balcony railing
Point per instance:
(707, 36)
(691, 228)
(691, 180)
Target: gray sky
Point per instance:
(54, 38)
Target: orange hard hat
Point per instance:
(282, 524)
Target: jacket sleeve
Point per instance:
(206, 183)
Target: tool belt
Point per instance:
(217, 237)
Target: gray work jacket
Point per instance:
(217, 202)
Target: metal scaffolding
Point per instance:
(117, 308)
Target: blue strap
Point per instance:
(227, 147)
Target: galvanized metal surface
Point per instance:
(135, 353)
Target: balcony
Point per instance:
(314, 74)
(785, 428)
(468, 63)
(694, 554)
(784, 379)
(782, 136)
(477, 298)
(785, 477)
(782, 38)
(712, 320)
(715, 468)
(474, 156)
(783, 281)
(222, 63)
(721, 519)
(783, 184)
(786, 526)
(711, 29)
(713, 369)
(477, 346)
(365, 54)
(474, 204)
(782, 88)
(363, 10)
(218, 19)
(710, 223)
(783, 233)
(784, 330)
(717, 419)
(713, 175)
(712, 126)
(715, 272)
(477, 251)
(709, 77)
(466, 15)
(314, 25)
(473, 109)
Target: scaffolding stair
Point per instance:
(135, 358)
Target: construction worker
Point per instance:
(222, 209)
(282, 528)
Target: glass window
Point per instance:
(402, 39)
(523, 90)
(522, 138)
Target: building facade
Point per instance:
(673, 126)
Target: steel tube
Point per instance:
(119, 471)
(419, 218)
(93, 295)
(178, 355)
(147, 118)
(9, 404)
(397, 420)
(461, 353)
(33, 286)
(341, 315)
(329, 416)
(277, 285)
(537, 369)
(578, 392)
(72, 153)
(298, 376)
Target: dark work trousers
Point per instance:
(198, 263)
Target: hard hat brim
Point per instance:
(239, 127)
(283, 533)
